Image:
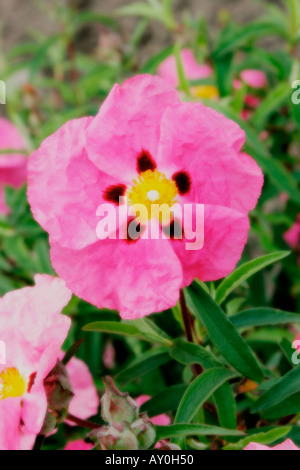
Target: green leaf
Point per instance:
(276, 98)
(244, 272)
(261, 438)
(140, 9)
(286, 387)
(262, 317)
(188, 353)
(165, 401)
(199, 392)
(224, 335)
(247, 33)
(113, 327)
(143, 329)
(149, 361)
(182, 430)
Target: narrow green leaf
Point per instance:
(182, 430)
(224, 335)
(276, 98)
(261, 438)
(244, 272)
(199, 392)
(188, 353)
(165, 401)
(147, 362)
(112, 327)
(262, 317)
(286, 387)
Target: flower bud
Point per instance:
(144, 431)
(58, 388)
(116, 406)
(165, 445)
(116, 437)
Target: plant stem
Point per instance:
(188, 326)
(82, 423)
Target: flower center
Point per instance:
(205, 91)
(152, 187)
(12, 384)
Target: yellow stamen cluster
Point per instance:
(12, 384)
(152, 187)
(209, 92)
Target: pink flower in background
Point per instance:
(160, 420)
(80, 444)
(13, 170)
(86, 400)
(292, 236)
(193, 70)
(143, 136)
(33, 330)
(286, 445)
(254, 78)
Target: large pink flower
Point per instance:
(193, 70)
(86, 400)
(13, 166)
(33, 330)
(160, 420)
(143, 143)
(286, 445)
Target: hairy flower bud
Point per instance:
(116, 437)
(117, 407)
(165, 445)
(144, 431)
(58, 388)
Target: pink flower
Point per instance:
(286, 445)
(292, 236)
(79, 445)
(160, 420)
(193, 70)
(12, 166)
(143, 138)
(86, 401)
(254, 78)
(33, 330)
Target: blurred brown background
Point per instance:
(19, 17)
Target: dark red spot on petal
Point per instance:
(134, 230)
(114, 192)
(31, 381)
(145, 162)
(174, 230)
(183, 182)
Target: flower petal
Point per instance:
(129, 122)
(136, 278)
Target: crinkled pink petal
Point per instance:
(128, 122)
(225, 235)
(86, 400)
(136, 278)
(254, 78)
(160, 420)
(33, 330)
(79, 445)
(286, 445)
(193, 70)
(219, 173)
(60, 168)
